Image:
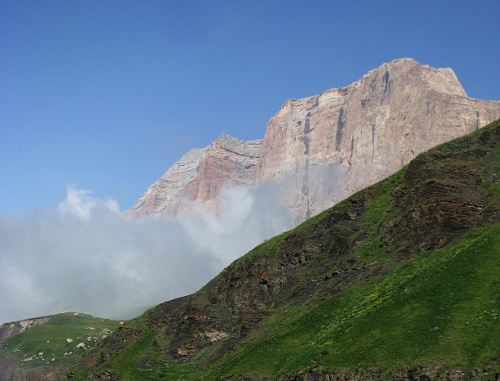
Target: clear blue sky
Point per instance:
(106, 95)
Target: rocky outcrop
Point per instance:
(324, 148)
(199, 176)
(160, 195)
(10, 329)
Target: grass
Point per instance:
(141, 360)
(47, 343)
(443, 308)
(379, 207)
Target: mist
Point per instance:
(85, 256)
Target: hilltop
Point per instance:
(44, 348)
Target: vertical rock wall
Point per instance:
(321, 149)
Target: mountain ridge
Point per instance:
(355, 136)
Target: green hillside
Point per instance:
(441, 309)
(52, 343)
(401, 280)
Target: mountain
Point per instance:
(398, 281)
(44, 348)
(199, 177)
(321, 149)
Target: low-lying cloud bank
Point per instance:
(85, 256)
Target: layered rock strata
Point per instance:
(198, 177)
(323, 148)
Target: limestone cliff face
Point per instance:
(330, 146)
(324, 148)
(159, 196)
(199, 176)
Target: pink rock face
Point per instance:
(324, 148)
(199, 176)
(226, 162)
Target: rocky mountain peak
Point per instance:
(199, 176)
(323, 148)
(443, 80)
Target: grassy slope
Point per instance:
(443, 308)
(50, 339)
(439, 307)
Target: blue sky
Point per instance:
(107, 95)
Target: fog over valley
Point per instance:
(85, 256)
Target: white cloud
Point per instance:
(249, 216)
(79, 203)
(85, 256)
